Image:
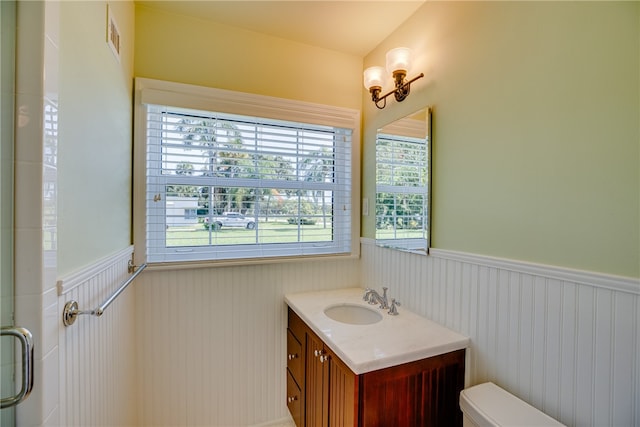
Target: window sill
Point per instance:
(190, 265)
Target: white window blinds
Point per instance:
(228, 186)
(401, 187)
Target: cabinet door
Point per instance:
(316, 383)
(422, 393)
(343, 392)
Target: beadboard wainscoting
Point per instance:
(567, 342)
(212, 341)
(206, 347)
(97, 354)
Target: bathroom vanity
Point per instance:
(377, 370)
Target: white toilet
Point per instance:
(487, 405)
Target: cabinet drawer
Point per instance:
(294, 358)
(294, 400)
(296, 325)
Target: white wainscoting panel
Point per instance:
(206, 347)
(212, 341)
(97, 354)
(567, 342)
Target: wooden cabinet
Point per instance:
(420, 393)
(317, 382)
(296, 345)
(330, 387)
(342, 393)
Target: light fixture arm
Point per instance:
(400, 92)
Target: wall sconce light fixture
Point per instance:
(398, 64)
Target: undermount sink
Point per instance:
(353, 314)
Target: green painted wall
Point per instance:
(94, 137)
(536, 129)
(189, 50)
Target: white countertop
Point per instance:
(392, 341)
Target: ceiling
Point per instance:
(355, 27)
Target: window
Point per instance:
(244, 186)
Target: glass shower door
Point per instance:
(10, 393)
(7, 107)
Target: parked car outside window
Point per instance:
(229, 219)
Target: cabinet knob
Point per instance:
(292, 399)
(292, 356)
(323, 358)
(317, 353)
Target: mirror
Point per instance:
(403, 183)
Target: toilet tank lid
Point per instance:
(489, 405)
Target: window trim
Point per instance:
(150, 91)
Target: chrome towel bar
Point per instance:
(71, 311)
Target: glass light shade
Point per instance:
(399, 59)
(373, 76)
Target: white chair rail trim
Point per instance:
(607, 281)
(75, 279)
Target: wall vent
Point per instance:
(113, 34)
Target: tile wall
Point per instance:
(35, 201)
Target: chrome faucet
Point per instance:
(373, 297)
(367, 294)
(393, 310)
